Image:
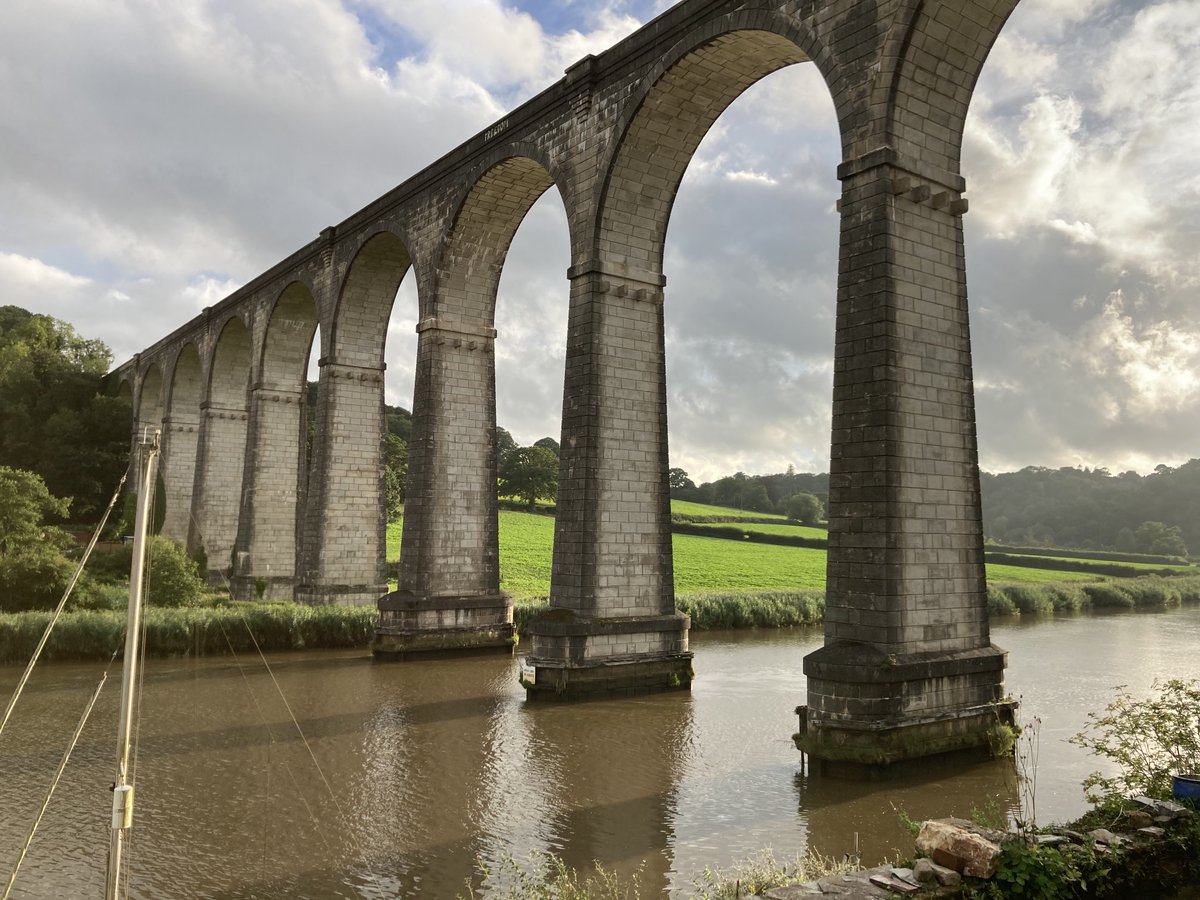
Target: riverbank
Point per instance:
(233, 627)
(1115, 851)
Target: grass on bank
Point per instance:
(787, 529)
(215, 629)
(687, 508)
(701, 564)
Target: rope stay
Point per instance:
(291, 715)
(12, 880)
(61, 604)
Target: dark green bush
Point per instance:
(171, 578)
(34, 578)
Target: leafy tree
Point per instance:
(398, 421)
(54, 417)
(1157, 538)
(504, 445)
(395, 475)
(25, 501)
(34, 570)
(530, 473)
(804, 507)
(550, 444)
(754, 497)
(679, 481)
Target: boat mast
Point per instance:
(122, 807)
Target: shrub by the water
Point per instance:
(33, 580)
(1148, 739)
(171, 579)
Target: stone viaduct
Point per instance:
(908, 667)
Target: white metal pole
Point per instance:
(122, 806)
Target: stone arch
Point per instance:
(221, 450)
(229, 372)
(180, 433)
(275, 481)
(452, 456)
(187, 382)
(926, 110)
(682, 99)
(344, 520)
(492, 210)
(364, 305)
(289, 338)
(150, 397)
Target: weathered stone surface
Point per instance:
(795, 891)
(615, 136)
(959, 846)
(927, 871)
(1103, 835)
(1050, 840)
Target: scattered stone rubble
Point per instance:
(954, 848)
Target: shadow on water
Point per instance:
(848, 816)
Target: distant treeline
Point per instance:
(758, 493)
(1156, 515)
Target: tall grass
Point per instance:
(204, 631)
(1136, 593)
(759, 609)
(215, 630)
(715, 610)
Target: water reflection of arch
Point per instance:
(181, 432)
(221, 448)
(342, 555)
(276, 461)
(450, 544)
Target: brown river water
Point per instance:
(415, 775)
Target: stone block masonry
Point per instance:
(907, 660)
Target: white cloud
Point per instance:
(1156, 364)
(21, 272)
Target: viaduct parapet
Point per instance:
(907, 668)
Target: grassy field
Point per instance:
(1021, 575)
(701, 564)
(1149, 567)
(784, 528)
(687, 508)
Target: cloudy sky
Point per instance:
(154, 156)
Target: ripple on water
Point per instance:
(439, 765)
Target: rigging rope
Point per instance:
(61, 604)
(54, 784)
(271, 735)
(295, 722)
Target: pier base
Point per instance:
(868, 712)
(411, 625)
(575, 658)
